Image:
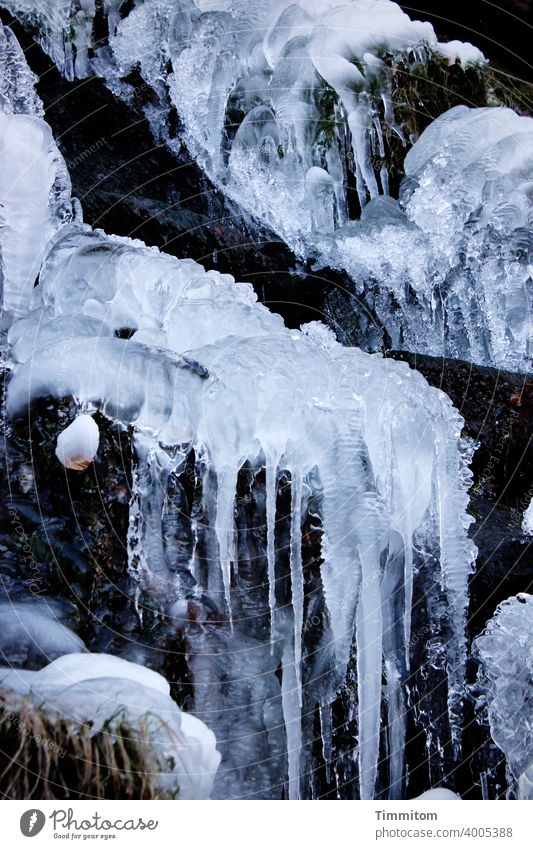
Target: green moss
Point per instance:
(326, 100)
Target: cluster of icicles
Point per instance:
(196, 367)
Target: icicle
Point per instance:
(271, 492)
(369, 669)
(395, 652)
(408, 582)
(146, 545)
(395, 730)
(224, 528)
(457, 556)
(384, 177)
(360, 122)
(292, 717)
(297, 582)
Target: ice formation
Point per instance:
(505, 652)
(527, 522)
(220, 394)
(78, 443)
(32, 633)
(286, 105)
(17, 82)
(34, 183)
(449, 266)
(289, 108)
(100, 690)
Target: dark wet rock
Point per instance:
(64, 538)
(501, 30)
(497, 408)
(504, 564)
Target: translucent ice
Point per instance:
(287, 106)
(35, 192)
(17, 82)
(367, 435)
(31, 633)
(505, 652)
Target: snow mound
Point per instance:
(100, 689)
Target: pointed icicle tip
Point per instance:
(78, 443)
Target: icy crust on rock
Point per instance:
(102, 690)
(266, 91)
(31, 633)
(193, 362)
(287, 105)
(17, 82)
(35, 192)
(282, 89)
(35, 189)
(450, 265)
(64, 29)
(505, 652)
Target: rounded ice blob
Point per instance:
(78, 443)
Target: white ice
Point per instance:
(439, 794)
(207, 366)
(32, 633)
(527, 522)
(313, 84)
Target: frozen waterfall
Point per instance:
(291, 500)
